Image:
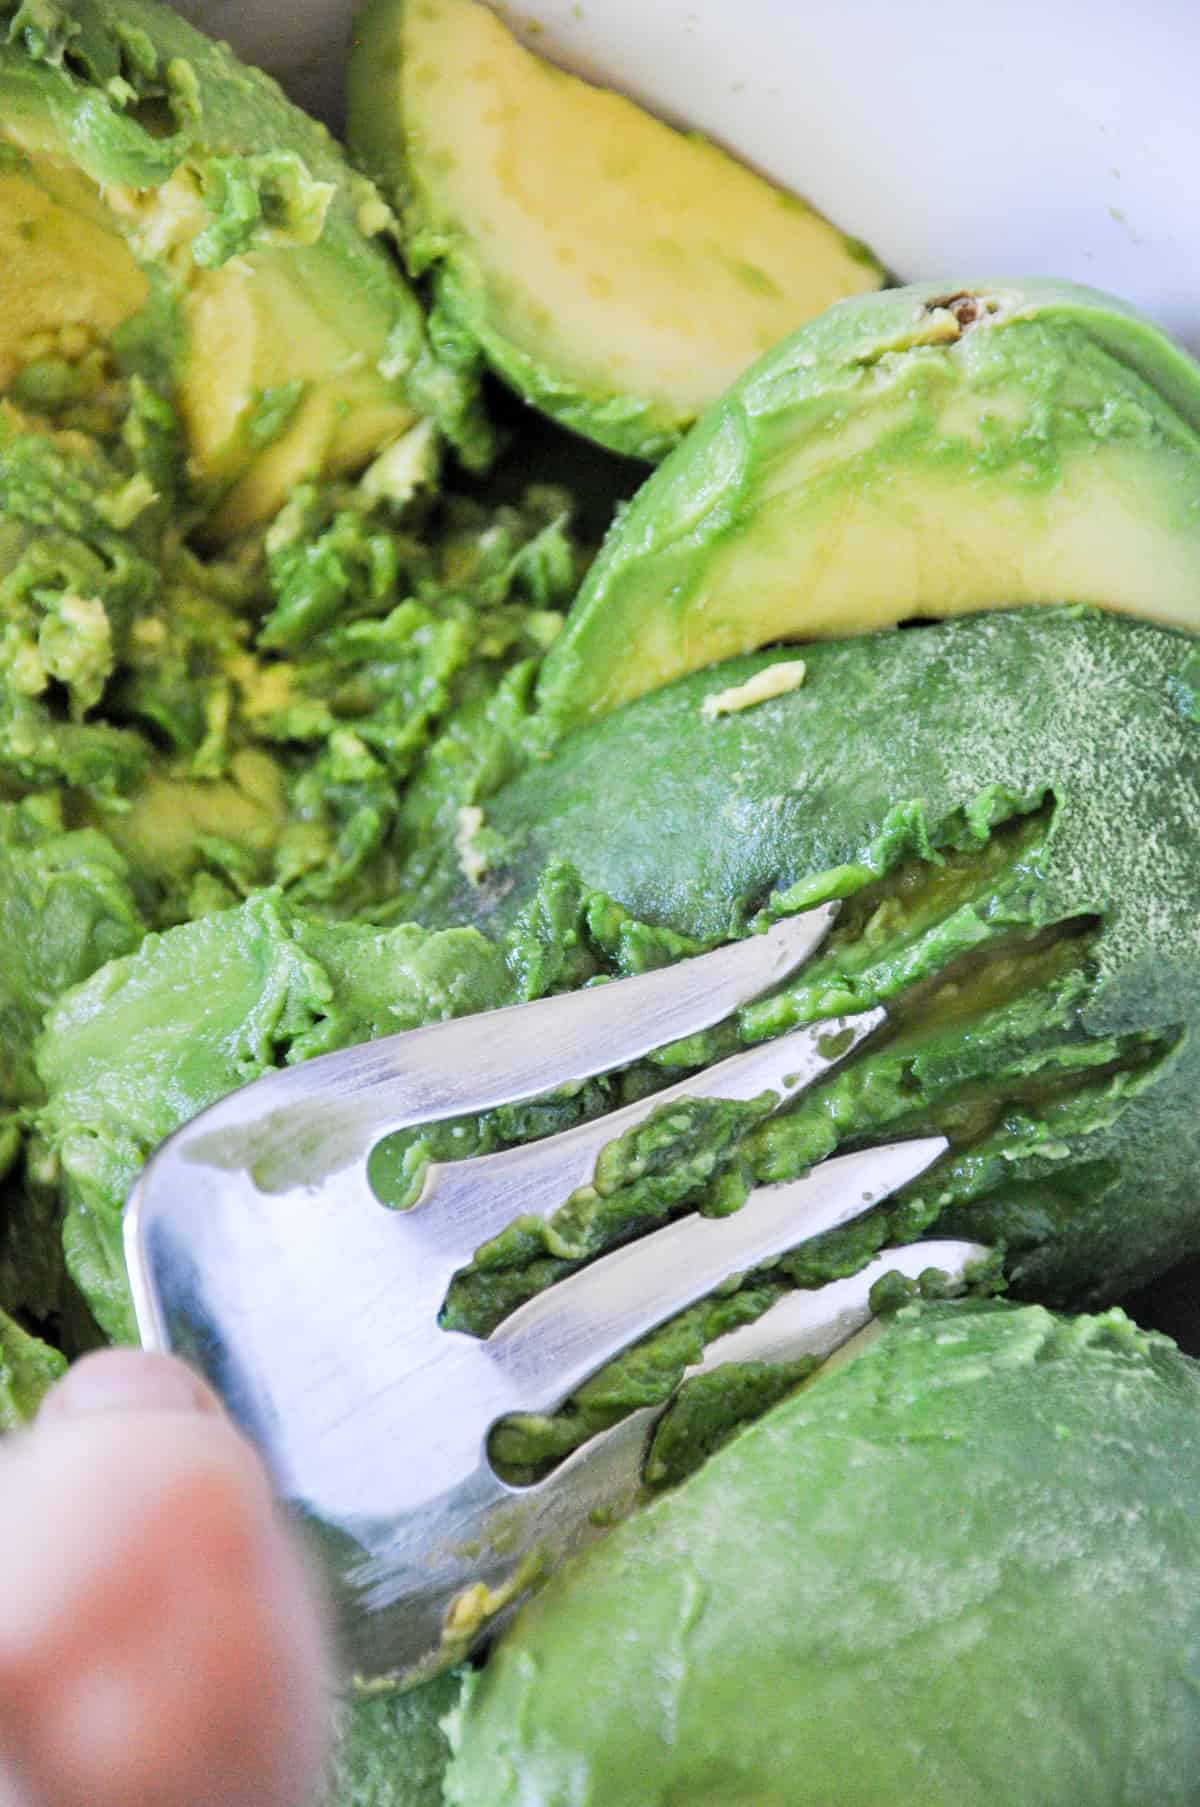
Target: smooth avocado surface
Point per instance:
(1044, 979)
(618, 273)
(958, 1569)
(927, 451)
(161, 198)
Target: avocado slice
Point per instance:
(924, 452)
(617, 273)
(982, 1521)
(137, 204)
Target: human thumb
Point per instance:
(161, 1640)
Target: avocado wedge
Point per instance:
(923, 452)
(959, 1568)
(617, 273)
(140, 211)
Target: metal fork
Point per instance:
(257, 1249)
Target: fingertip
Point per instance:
(168, 1646)
(125, 1381)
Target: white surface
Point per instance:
(1012, 137)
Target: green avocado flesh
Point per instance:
(181, 729)
(1036, 948)
(951, 1571)
(283, 769)
(178, 730)
(391, 1748)
(161, 202)
(912, 454)
(617, 273)
(978, 793)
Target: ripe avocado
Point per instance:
(617, 273)
(136, 198)
(959, 1569)
(898, 749)
(914, 453)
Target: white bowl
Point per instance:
(1005, 137)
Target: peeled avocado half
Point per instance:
(922, 452)
(957, 1570)
(159, 195)
(1007, 806)
(617, 273)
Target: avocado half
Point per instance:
(1007, 806)
(924, 452)
(958, 1569)
(159, 196)
(617, 273)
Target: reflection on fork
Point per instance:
(258, 1250)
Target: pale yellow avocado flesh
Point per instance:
(61, 267)
(620, 257)
(168, 814)
(880, 558)
(75, 257)
(260, 330)
(809, 567)
(907, 455)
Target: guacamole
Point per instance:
(161, 201)
(300, 746)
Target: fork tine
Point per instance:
(302, 1125)
(819, 1320)
(552, 1344)
(603, 1477)
(469, 1201)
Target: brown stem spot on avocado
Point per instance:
(966, 307)
(941, 320)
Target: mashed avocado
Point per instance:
(182, 728)
(276, 777)
(163, 203)
(1037, 952)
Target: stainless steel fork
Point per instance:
(258, 1250)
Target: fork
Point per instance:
(258, 1250)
